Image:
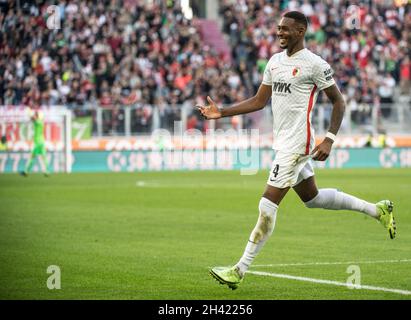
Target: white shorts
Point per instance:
(289, 169)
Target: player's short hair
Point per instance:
(298, 16)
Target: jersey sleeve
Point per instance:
(267, 75)
(323, 75)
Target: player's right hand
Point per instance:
(211, 111)
(322, 151)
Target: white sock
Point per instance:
(338, 200)
(261, 232)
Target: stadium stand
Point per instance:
(119, 53)
(371, 61)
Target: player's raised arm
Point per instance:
(323, 150)
(257, 102)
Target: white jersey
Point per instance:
(295, 82)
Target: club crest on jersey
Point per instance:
(296, 71)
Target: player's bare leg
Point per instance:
(334, 199)
(268, 207)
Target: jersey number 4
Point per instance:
(275, 171)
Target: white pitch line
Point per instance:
(331, 263)
(335, 283)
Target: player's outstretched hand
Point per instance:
(322, 151)
(211, 111)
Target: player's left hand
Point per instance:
(322, 151)
(211, 111)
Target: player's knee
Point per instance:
(311, 204)
(314, 202)
(267, 207)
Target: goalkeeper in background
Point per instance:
(39, 148)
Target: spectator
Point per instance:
(386, 93)
(405, 76)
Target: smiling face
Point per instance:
(289, 32)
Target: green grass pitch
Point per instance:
(154, 236)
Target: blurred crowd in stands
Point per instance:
(368, 45)
(119, 53)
